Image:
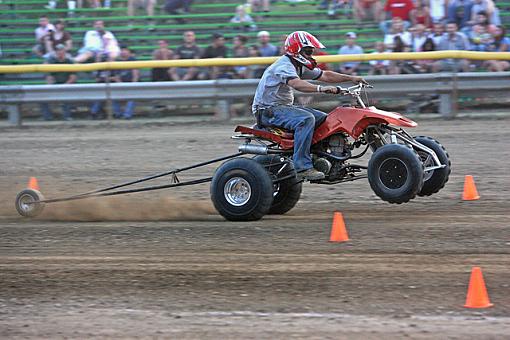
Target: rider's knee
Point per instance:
(309, 120)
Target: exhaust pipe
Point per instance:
(257, 149)
(254, 149)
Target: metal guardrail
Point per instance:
(446, 85)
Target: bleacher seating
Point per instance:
(18, 19)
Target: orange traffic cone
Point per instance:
(470, 193)
(32, 184)
(477, 296)
(338, 231)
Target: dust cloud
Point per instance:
(128, 209)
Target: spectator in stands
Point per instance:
(243, 19)
(364, 8)
(481, 19)
(240, 50)
(72, 4)
(438, 10)
(480, 40)
(350, 67)
(266, 49)
(437, 33)
(178, 6)
(333, 6)
(163, 52)
(421, 14)
(126, 76)
(397, 45)
(418, 38)
(425, 65)
(40, 33)
(257, 5)
(397, 8)
(397, 29)
(216, 50)
(501, 44)
(452, 40)
(189, 50)
(119, 76)
(459, 12)
(489, 8)
(60, 56)
(98, 42)
(379, 66)
(57, 37)
(281, 49)
(148, 5)
(102, 76)
(254, 71)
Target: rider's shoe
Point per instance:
(310, 175)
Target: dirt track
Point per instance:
(166, 265)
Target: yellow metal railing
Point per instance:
(118, 65)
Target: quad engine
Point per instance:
(329, 156)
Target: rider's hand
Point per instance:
(329, 89)
(357, 80)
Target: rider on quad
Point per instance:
(273, 101)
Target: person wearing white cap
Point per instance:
(350, 67)
(266, 49)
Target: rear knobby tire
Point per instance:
(242, 190)
(24, 204)
(395, 173)
(286, 193)
(434, 180)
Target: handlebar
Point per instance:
(353, 90)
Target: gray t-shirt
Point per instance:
(273, 89)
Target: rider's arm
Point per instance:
(334, 77)
(302, 85)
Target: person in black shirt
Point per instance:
(120, 76)
(216, 50)
(189, 50)
(60, 56)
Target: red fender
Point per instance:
(354, 121)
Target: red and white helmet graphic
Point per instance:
(296, 41)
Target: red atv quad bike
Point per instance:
(400, 167)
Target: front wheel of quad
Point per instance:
(434, 180)
(395, 173)
(241, 190)
(28, 203)
(286, 193)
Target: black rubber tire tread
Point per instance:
(415, 176)
(440, 176)
(261, 190)
(290, 189)
(38, 207)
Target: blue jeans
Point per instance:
(48, 115)
(302, 121)
(128, 111)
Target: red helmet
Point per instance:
(294, 44)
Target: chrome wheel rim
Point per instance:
(237, 191)
(25, 203)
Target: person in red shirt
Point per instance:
(397, 8)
